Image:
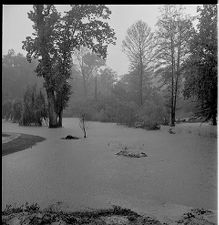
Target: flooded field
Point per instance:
(180, 169)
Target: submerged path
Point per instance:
(12, 142)
(180, 170)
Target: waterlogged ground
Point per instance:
(179, 172)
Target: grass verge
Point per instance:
(24, 141)
(32, 214)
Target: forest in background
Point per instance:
(112, 90)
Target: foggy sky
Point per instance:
(16, 26)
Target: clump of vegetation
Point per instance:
(27, 207)
(126, 113)
(49, 215)
(32, 214)
(132, 154)
(151, 115)
(16, 111)
(34, 108)
(7, 109)
(12, 110)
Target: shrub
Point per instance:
(34, 108)
(7, 110)
(126, 113)
(16, 110)
(151, 115)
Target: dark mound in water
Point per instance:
(69, 137)
(132, 154)
(171, 131)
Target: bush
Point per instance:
(100, 116)
(126, 113)
(102, 110)
(16, 110)
(112, 109)
(106, 109)
(34, 108)
(151, 115)
(87, 107)
(7, 110)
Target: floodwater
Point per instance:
(180, 169)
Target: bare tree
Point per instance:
(82, 124)
(137, 46)
(172, 47)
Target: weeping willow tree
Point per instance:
(34, 107)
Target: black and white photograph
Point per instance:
(109, 114)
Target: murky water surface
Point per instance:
(180, 169)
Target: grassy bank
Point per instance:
(24, 141)
(32, 214)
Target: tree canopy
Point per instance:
(201, 66)
(56, 37)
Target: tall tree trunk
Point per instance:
(214, 117)
(214, 120)
(53, 123)
(172, 115)
(95, 94)
(60, 118)
(140, 83)
(84, 77)
(84, 84)
(177, 75)
(82, 125)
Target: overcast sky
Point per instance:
(16, 26)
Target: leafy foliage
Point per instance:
(34, 107)
(56, 38)
(201, 66)
(16, 110)
(7, 109)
